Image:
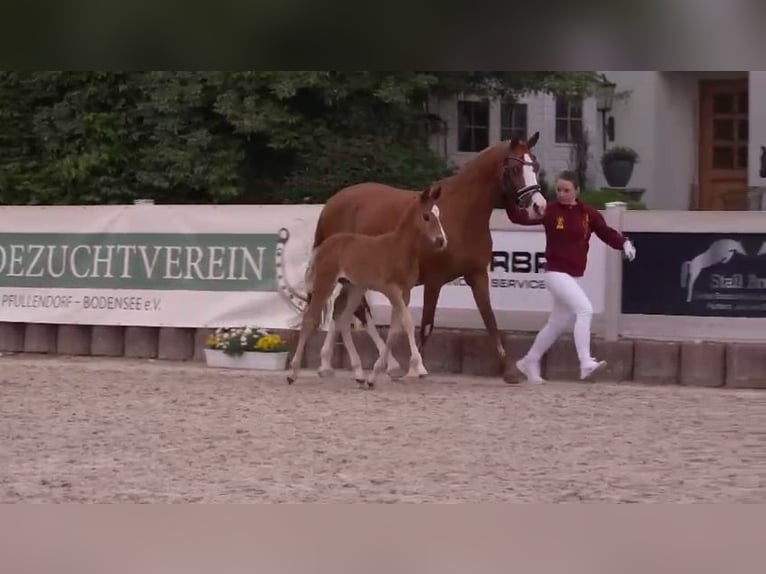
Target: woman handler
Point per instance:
(568, 225)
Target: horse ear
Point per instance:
(514, 142)
(533, 140)
(431, 193)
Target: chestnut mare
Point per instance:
(385, 263)
(505, 171)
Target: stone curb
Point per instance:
(700, 364)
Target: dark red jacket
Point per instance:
(567, 234)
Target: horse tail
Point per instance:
(309, 275)
(319, 233)
(305, 298)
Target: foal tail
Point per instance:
(308, 281)
(310, 277)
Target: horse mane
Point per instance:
(484, 166)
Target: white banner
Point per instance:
(210, 266)
(516, 280)
(154, 265)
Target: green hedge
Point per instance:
(598, 198)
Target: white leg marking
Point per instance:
(393, 368)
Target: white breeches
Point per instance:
(571, 308)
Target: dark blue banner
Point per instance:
(702, 274)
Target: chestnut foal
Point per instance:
(385, 263)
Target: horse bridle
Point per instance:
(524, 194)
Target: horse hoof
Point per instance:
(396, 373)
(324, 373)
(360, 382)
(370, 384)
(290, 380)
(511, 377)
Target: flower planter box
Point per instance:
(276, 361)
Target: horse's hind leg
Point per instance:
(325, 354)
(417, 368)
(430, 299)
(311, 318)
(355, 295)
(364, 314)
(308, 324)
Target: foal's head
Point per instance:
(427, 218)
(519, 178)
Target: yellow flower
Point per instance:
(268, 343)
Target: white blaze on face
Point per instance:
(528, 171)
(538, 203)
(436, 212)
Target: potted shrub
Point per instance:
(246, 348)
(617, 164)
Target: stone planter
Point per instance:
(249, 360)
(618, 172)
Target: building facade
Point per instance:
(699, 135)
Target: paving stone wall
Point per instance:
(709, 363)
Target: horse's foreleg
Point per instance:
(385, 353)
(344, 320)
(479, 284)
(430, 298)
(364, 314)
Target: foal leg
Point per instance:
(344, 321)
(325, 354)
(393, 369)
(308, 324)
(311, 318)
(400, 316)
(377, 368)
(479, 283)
(417, 368)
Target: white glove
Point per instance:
(629, 250)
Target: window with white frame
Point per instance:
(472, 125)
(568, 119)
(513, 120)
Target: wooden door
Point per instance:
(723, 144)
